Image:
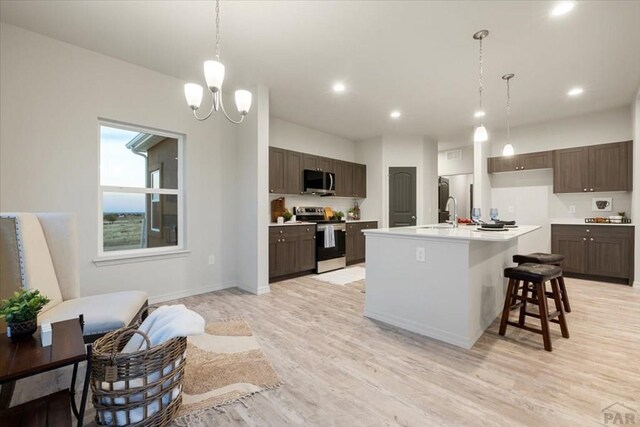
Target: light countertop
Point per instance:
(286, 224)
(463, 232)
(580, 221)
(361, 220)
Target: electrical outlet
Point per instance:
(212, 259)
(510, 209)
(572, 209)
(420, 255)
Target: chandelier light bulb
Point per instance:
(243, 101)
(480, 134)
(193, 94)
(214, 75)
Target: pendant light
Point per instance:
(508, 148)
(480, 134)
(214, 75)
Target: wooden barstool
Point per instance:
(547, 259)
(534, 278)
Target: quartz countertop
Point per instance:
(463, 232)
(361, 220)
(580, 221)
(286, 224)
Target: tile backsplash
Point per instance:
(336, 203)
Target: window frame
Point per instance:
(142, 253)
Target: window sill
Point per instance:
(128, 259)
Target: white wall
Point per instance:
(458, 166)
(291, 136)
(635, 208)
(369, 152)
(52, 96)
(251, 208)
(459, 188)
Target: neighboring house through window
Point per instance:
(141, 199)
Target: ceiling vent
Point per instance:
(454, 155)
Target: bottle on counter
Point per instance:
(356, 211)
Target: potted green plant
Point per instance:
(617, 219)
(339, 215)
(287, 215)
(21, 313)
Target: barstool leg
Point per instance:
(507, 306)
(556, 298)
(523, 307)
(565, 296)
(544, 315)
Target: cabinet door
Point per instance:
(359, 180)
(542, 160)
(325, 164)
(310, 162)
(507, 163)
(609, 256)
(574, 247)
(293, 176)
(276, 170)
(307, 249)
(273, 255)
(570, 170)
(360, 242)
(344, 179)
(351, 242)
(608, 165)
(287, 255)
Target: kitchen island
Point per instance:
(442, 282)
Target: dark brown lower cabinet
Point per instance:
(292, 250)
(355, 240)
(601, 251)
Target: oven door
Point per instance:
(334, 257)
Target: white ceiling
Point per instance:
(418, 57)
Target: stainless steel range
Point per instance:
(330, 238)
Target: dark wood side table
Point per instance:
(26, 358)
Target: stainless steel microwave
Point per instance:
(320, 183)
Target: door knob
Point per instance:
(413, 217)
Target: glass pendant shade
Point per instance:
(193, 94)
(214, 75)
(480, 134)
(507, 150)
(243, 101)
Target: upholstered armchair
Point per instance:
(40, 251)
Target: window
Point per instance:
(141, 199)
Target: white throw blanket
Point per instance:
(329, 236)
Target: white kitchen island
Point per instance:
(444, 283)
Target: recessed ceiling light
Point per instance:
(395, 114)
(575, 91)
(562, 8)
(339, 87)
(478, 114)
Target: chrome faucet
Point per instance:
(454, 215)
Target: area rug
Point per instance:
(224, 365)
(342, 277)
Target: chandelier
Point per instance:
(214, 76)
(480, 134)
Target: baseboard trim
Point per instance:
(169, 296)
(422, 329)
(636, 284)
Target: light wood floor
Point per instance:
(342, 369)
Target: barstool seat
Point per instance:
(534, 278)
(547, 259)
(539, 258)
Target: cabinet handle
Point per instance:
(280, 231)
(271, 190)
(584, 189)
(591, 239)
(517, 168)
(521, 167)
(283, 240)
(278, 241)
(588, 230)
(314, 237)
(584, 238)
(591, 189)
(307, 229)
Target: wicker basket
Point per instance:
(143, 388)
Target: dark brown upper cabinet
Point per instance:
(286, 173)
(276, 170)
(520, 162)
(605, 167)
(359, 180)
